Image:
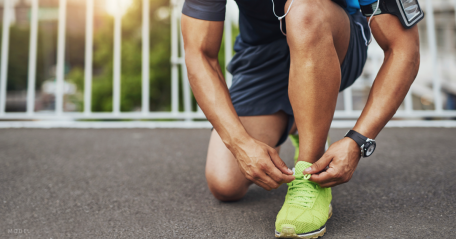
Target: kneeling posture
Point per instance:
(281, 83)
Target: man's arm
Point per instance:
(399, 69)
(258, 162)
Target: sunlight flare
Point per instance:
(114, 7)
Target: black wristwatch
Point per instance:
(367, 145)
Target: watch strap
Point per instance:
(357, 137)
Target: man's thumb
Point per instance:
(318, 166)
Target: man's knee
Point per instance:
(306, 15)
(225, 189)
(308, 22)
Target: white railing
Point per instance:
(60, 118)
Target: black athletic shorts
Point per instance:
(260, 73)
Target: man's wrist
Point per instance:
(237, 138)
(352, 144)
(371, 134)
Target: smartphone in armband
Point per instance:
(408, 11)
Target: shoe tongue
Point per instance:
(301, 166)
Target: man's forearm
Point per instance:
(399, 69)
(389, 90)
(212, 95)
(202, 41)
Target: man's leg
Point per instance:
(223, 175)
(318, 34)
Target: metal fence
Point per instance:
(407, 116)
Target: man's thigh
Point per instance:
(222, 170)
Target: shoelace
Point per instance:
(302, 191)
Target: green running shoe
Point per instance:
(306, 209)
(294, 138)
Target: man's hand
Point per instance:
(341, 158)
(261, 164)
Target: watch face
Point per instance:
(370, 149)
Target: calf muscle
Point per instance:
(318, 42)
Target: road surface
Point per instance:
(144, 183)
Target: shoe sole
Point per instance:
(289, 232)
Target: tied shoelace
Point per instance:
(302, 191)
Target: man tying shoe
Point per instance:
(280, 81)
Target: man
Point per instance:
(282, 80)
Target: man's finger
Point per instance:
(322, 178)
(278, 162)
(277, 175)
(265, 179)
(263, 185)
(320, 165)
(288, 178)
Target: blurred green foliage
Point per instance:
(102, 84)
(131, 72)
(160, 66)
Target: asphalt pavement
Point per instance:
(149, 183)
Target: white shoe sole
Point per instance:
(289, 232)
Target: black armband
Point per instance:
(408, 11)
